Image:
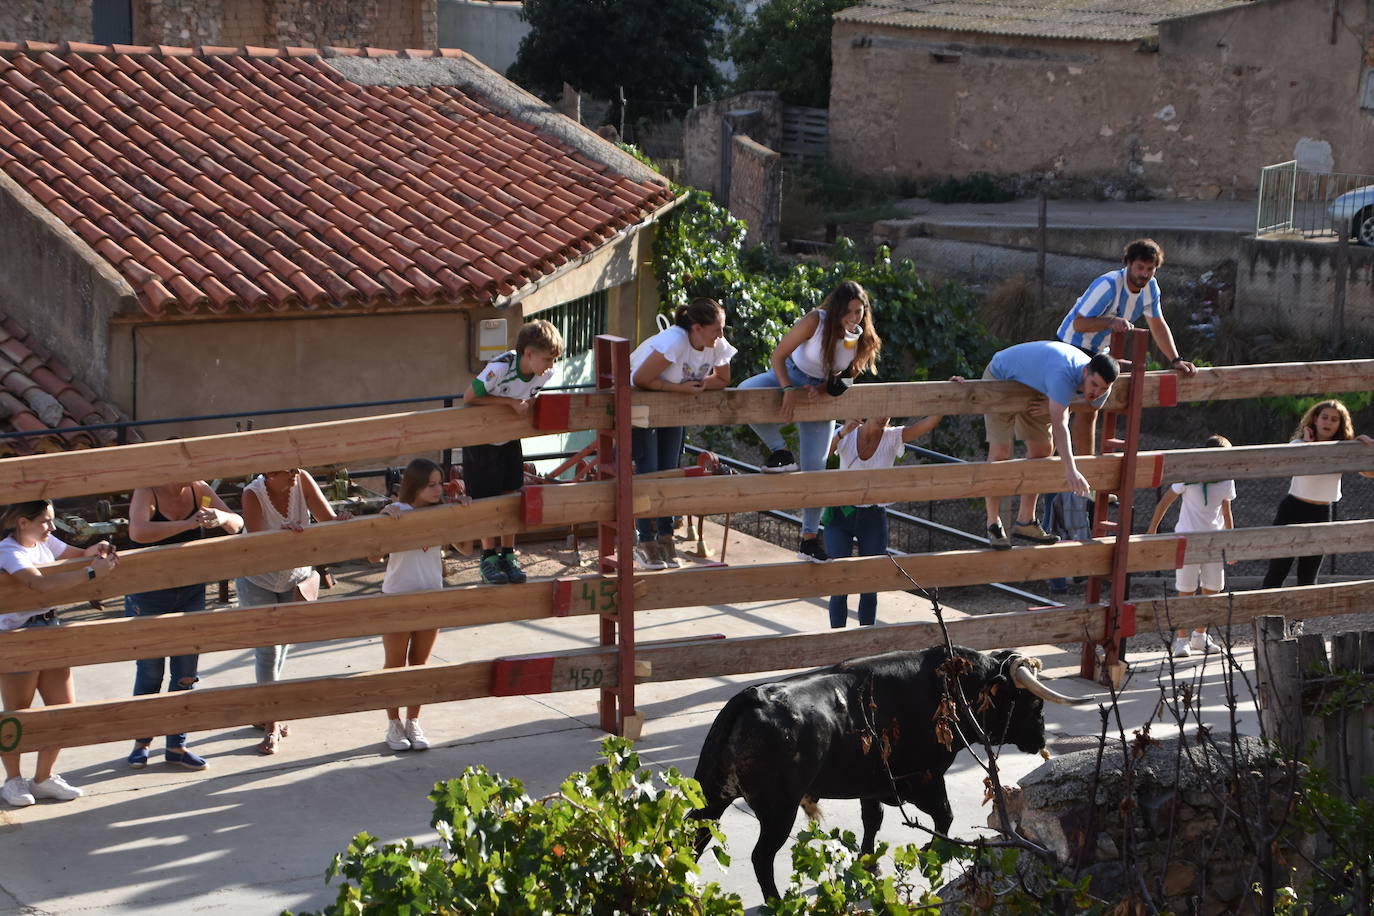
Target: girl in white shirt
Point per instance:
(861, 446)
(690, 357)
(28, 544)
(1311, 496)
(1205, 507)
(422, 569)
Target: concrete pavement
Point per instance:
(254, 834)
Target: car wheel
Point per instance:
(1362, 228)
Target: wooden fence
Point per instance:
(116, 469)
(1308, 697)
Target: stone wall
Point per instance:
(756, 191)
(1181, 842)
(1195, 116)
(234, 23)
(45, 20)
(704, 128)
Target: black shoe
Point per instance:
(997, 538)
(812, 549)
(780, 461)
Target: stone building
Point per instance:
(209, 231)
(1176, 98)
(226, 23)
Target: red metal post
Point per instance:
(615, 539)
(1120, 617)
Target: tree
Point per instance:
(786, 48)
(659, 51)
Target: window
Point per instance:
(112, 22)
(579, 321)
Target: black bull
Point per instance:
(865, 729)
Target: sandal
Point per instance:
(283, 727)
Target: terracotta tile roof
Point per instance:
(1101, 20)
(38, 393)
(221, 179)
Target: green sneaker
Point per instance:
(493, 570)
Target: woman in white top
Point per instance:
(28, 544)
(870, 444)
(689, 357)
(822, 355)
(1311, 496)
(422, 569)
(272, 502)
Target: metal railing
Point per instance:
(1313, 204)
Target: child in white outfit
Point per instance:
(1204, 507)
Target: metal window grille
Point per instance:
(579, 321)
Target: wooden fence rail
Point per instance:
(119, 639)
(110, 720)
(212, 559)
(119, 469)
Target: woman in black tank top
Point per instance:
(160, 516)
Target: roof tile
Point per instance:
(218, 178)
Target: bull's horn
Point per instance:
(1023, 673)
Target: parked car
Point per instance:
(1353, 214)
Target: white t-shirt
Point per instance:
(1315, 488)
(14, 557)
(501, 378)
(416, 570)
(685, 362)
(890, 448)
(1200, 507)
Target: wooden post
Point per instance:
(1278, 682)
(1342, 742)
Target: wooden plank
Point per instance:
(199, 710)
(1261, 461)
(124, 638)
(1279, 541)
(119, 469)
(97, 722)
(1343, 741)
(1163, 615)
(225, 707)
(222, 558)
(212, 559)
(1312, 662)
(1276, 679)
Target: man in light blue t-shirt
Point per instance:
(1064, 375)
(1114, 302)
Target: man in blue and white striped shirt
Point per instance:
(1114, 302)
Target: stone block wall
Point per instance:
(1182, 800)
(756, 190)
(394, 24)
(45, 20)
(703, 130)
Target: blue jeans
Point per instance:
(269, 659)
(866, 526)
(656, 449)
(148, 672)
(813, 436)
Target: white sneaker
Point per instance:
(55, 787)
(396, 736)
(17, 792)
(416, 735)
(1202, 641)
(1182, 647)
